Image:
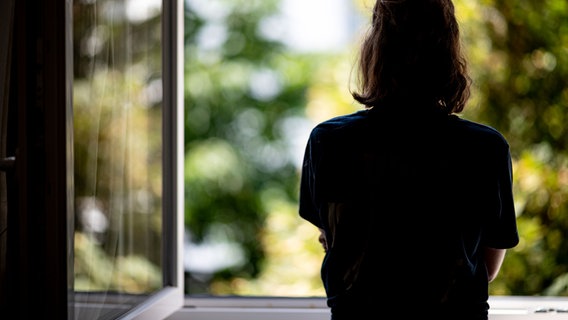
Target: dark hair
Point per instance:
(412, 51)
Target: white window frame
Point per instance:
(162, 303)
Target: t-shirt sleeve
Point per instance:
(308, 203)
(502, 230)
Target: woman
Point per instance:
(414, 203)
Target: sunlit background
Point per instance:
(259, 74)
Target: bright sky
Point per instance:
(315, 25)
(140, 10)
(308, 25)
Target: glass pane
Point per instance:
(118, 154)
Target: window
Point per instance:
(126, 163)
(122, 257)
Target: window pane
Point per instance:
(118, 154)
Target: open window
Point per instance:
(127, 158)
(90, 159)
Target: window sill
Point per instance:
(502, 308)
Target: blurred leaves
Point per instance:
(518, 57)
(517, 53)
(249, 103)
(117, 149)
(242, 94)
(95, 270)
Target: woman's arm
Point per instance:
(493, 261)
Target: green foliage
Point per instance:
(518, 61)
(242, 92)
(520, 66)
(95, 270)
(117, 150)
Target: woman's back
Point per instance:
(406, 202)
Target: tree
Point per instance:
(243, 94)
(522, 85)
(517, 55)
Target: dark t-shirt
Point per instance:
(407, 203)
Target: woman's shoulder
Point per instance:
(477, 130)
(340, 126)
(345, 120)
